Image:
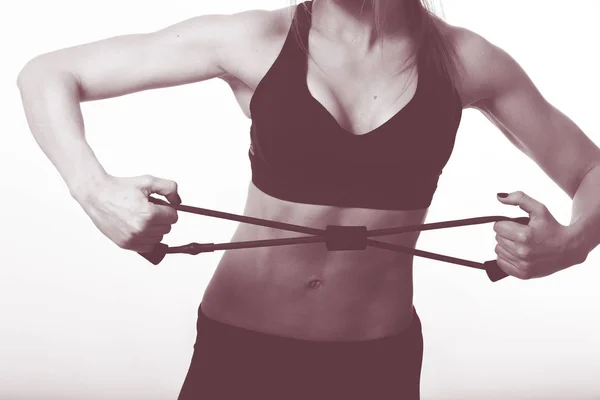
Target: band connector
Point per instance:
(346, 237)
(193, 248)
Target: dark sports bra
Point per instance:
(299, 153)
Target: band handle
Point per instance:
(491, 267)
(159, 251)
(157, 254)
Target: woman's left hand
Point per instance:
(532, 251)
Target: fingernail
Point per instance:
(502, 195)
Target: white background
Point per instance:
(82, 319)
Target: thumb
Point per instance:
(164, 187)
(525, 203)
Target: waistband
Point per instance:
(219, 331)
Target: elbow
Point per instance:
(591, 170)
(44, 67)
(33, 69)
(42, 70)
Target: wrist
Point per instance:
(81, 170)
(578, 242)
(86, 182)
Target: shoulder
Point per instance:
(482, 68)
(251, 36)
(259, 23)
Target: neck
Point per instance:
(360, 21)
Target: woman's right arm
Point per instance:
(52, 86)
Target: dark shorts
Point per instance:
(235, 363)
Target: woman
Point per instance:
(354, 108)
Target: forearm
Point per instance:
(585, 218)
(52, 107)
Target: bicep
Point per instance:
(514, 104)
(187, 52)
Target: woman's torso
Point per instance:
(304, 291)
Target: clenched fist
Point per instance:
(120, 209)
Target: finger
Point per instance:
(161, 186)
(158, 230)
(149, 240)
(163, 215)
(508, 267)
(507, 244)
(507, 255)
(141, 245)
(525, 203)
(513, 231)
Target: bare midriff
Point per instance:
(305, 291)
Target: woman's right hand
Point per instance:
(120, 209)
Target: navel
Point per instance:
(314, 284)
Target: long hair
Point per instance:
(432, 47)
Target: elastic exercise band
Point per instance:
(336, 238)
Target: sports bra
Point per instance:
(299, 152)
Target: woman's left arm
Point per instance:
(494, 83)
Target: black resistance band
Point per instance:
(336, 238)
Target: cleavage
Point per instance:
(360, 102)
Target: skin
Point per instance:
(304, 291)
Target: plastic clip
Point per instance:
(346, 237)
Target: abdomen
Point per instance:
(304, 290)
